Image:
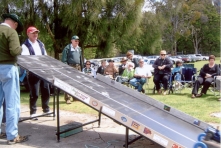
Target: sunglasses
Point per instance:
(162, 54)
(76, 41)
(88, 64)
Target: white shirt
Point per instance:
(35, 46)
(74, 49)
(6, 24)
(143, 71)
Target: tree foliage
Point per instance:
(107, 27)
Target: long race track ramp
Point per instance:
(144, 115)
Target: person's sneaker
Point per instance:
(165, 92)
(3, 135)
(159, 91)
(33, 115)
(143, 91)
(48, 115)
(68, 101)
(18, 139)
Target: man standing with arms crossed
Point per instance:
(72, 56)
(33, 46)
(9, 78)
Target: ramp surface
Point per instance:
(144, 115)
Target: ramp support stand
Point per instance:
(69, 129)
(127, 142)
(43, 115)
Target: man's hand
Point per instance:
(159, 67)
(163, 66)
(143, 76)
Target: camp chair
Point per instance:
(170, 85)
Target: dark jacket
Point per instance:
(136, 62)
(100, 70)
(120, 69)
(214, 71)
(161, 62)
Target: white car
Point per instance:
(174, 59)
(202, 57)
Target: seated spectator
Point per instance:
(140, 76)
(206, 77)
(176, 72)
(110, 70)
(128, 73)
(162, 70)
(100, 70)
(88, 70)
(123, 65)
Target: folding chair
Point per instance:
(216, 85)
(170, 85)
(188, 74)
(146, 86)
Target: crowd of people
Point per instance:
(131, 71)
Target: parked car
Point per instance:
(194, 57)
(199, 56)
(186, 58)
(174, 59)
(178, 57)
(153, 57)
(202, 57)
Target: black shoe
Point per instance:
(143, 91)
(3, 135)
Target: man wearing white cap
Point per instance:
(33, 46)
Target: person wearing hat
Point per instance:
(33, 46)
(72, 55)
(122, 66)
(128, 73)
(110, 70)
(9, 78)
(131, 58)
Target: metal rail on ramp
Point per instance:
(140, 113)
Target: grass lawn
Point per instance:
(200, 108)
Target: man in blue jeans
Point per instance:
(9, 78)
(140, 76)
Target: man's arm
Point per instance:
(14, 44)
(25, 50)
(64, 55)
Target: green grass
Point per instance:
(200, 108)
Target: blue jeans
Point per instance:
(10, 91)
(138, 83)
